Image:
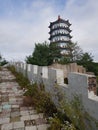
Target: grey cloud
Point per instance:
(18, 35)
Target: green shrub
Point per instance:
(45, 104)
(68, 126)
(23, 81)
(41, 100)
(55, 124)
(0, 68)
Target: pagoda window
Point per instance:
(63, 52)
(62, 45)
(66, 32)
(63, 38)
(62, 31)
(55, 25)
(58, 25)
(65, 25)
(67, 38)
(52, 40)
(62, 24)
(52, 27)
(55, 38)
(54, 33)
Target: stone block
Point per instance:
(32, 112)
(23, 113)
(4, 120)
(15, 119)
(35, 116)
(23, 108)
(30, 128)
(14, 114)
(23, 118)
(42, 127)
(8, 126)
(15, 106)
(19, 124)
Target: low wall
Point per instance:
(78, 84)
(72, 67)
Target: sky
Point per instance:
(25, 22)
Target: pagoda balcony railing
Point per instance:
(61, 41)
(60, 35)
(63, 47)
(58, 28)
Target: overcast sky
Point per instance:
(25, 22)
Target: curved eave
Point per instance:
(60, 21)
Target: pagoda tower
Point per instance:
(60, 34)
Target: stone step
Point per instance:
(13, 114)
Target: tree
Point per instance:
(87, 61)
(86, 58)
(44, 54)
(74, 52)
(54, 53)
(2, 61)
(40, 55)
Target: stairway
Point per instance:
(13, 114)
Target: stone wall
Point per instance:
(78, 84)
(72, 67)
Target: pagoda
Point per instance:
(60, 34)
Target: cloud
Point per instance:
(83, 17)
(18, 36)
(26, 22)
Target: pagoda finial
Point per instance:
(58, 17)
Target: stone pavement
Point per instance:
(13, 114)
